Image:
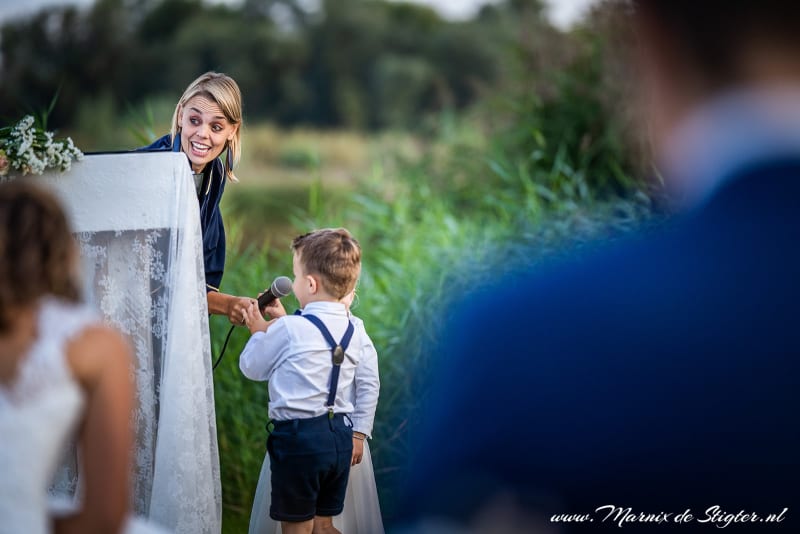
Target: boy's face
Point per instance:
(301, 285)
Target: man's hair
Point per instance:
(37, 249)
(332, 254)
(718, 34)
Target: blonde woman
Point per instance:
(207, 123)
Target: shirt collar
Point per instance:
(728, 132)
(336, 308)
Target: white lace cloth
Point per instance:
(137, 222)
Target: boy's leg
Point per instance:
(323, 524)
(333, 487)
(297, 527)
(298, 451)
(310, 468)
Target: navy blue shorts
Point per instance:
(309, 463)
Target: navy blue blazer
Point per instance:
(210, 216)
(660, 374)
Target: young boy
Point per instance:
(310, 363)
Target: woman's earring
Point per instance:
(229, 158)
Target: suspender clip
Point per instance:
(338, 355)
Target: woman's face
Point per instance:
(204, 131)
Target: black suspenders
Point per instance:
(337, 354)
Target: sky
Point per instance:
(562, 12)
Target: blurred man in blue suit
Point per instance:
(655, 383)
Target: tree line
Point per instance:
(364, 64)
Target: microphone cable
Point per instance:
(280, 287)
(222, 351)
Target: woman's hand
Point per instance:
(237, 309)
(233, 307)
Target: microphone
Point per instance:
(281, 287)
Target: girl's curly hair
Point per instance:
(37, 249)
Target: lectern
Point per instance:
(136, 219)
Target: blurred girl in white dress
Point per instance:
(61, 372)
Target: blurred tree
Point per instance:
(400, 83)
(33, 53)
(355, 63)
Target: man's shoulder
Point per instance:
(603, 273)
(579, 302)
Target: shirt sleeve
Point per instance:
(367, 386)
(264, 352)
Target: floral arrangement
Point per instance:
(28, 149)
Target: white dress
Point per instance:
(361, 514)
(39, 412)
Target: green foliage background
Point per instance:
(455, 152)
(538, 170)
(363, 64)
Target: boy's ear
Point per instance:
(313, 285)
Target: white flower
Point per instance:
(32, 150)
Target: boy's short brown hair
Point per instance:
(334, 255)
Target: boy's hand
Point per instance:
(358, 448)
(274, 309)
(254, 320)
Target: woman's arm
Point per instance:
(100, 360)
(235, 308)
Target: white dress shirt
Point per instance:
(293, 356)
(731, 131)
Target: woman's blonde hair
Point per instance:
(223, 90)
(37, 250)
